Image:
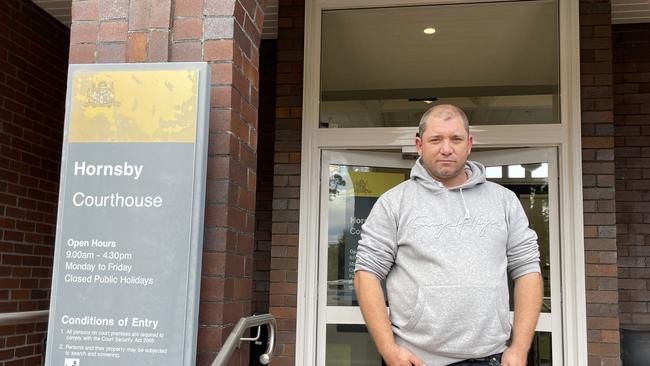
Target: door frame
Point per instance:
(344, 314)
(566, 137)
(334, 314)
(553, 319)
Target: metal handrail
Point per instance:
(23, 317)
(235, 338)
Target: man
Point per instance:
(445, 241)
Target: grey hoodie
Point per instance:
(445, 254)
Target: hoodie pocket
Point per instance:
(458, 320)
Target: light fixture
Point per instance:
(429, 30)
(426, 100)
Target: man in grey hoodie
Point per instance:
(445, 241)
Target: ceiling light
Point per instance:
(429, 30)
(426, 100)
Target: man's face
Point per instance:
(444, 147)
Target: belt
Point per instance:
(494, 357)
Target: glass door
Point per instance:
(532, 175)
(351, 181)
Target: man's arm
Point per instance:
(528, 303)
(373, 307)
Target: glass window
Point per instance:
(516, 171)
(530, 184)
(351, 345)
(383, 67)
(540, 353)
(493, 171)
(353, 190)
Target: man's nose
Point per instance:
(445, 148)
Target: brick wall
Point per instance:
(632, 130)
(264, 194)
(227, 283)
(33, 70)
(598, 182)
(286, 182)
(226, 34)
(110, 31)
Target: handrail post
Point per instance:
(235, 338)
(265, 358)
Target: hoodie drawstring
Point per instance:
(464, 204)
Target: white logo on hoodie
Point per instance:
(477, 225)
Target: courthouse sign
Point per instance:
(130, 219)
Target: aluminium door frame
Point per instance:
(344, 314)
(334, 314)
(565, 137)
(550, 156)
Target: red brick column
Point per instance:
(225, 33)
(632, 130)
(598, 181)
(286, 182)
(33, 69)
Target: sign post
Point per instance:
(126, 274)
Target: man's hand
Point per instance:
(373, 308)
(399, 356)
(514, 357)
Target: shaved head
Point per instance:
(444, 112)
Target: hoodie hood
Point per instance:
(475, 176)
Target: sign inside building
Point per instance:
(128, 249)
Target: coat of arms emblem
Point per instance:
(101, 94)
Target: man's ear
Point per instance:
(418, 145)
(470, 140)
